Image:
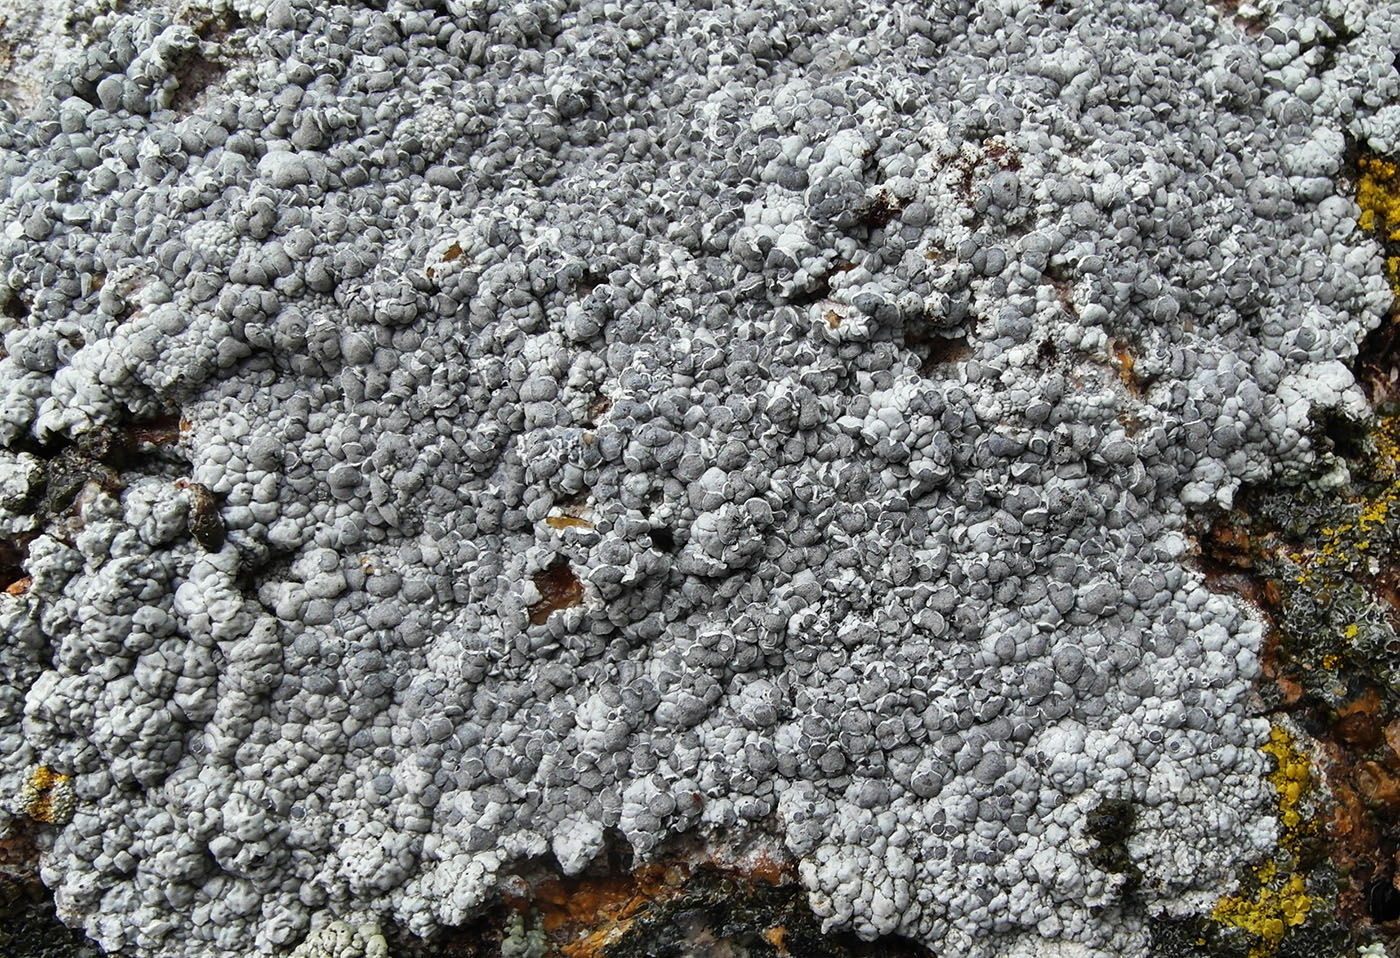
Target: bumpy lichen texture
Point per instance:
(47, 796)
(1378, 195)
(1280, 901)
(908, 587)
(1331, 551)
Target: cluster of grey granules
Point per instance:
(463, 432)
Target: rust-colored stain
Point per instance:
(1358, 721)
(1392, 741)
(833, 318)
(585, 915)
(599, 408)
(775, 936)
(559, 589)
(19, 586)
(158, 432)
(448, 255)
(766, 868)
(1127, 365)
(1378, 787)
(567, 522)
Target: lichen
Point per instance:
(47, 796)
(1281, 900)
(1378, 195)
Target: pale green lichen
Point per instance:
(340, 939)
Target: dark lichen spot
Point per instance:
(160, 431)
(818, 289)
(880, 209)
(15, 307)
(193, 77)
(1346, 436)
(12, 573)
(211, 25)
(589, 281)
(935, 348)
(205, 523)
(29, 927)
(1110, 825)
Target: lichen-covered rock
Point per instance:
(337, 939)
(664, 417)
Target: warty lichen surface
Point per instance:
(659, 305)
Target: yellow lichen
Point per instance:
(47, 796)
(1268, 915)
(1378, 195)
(1291, 779)
(1346, 547)
(1281, 900)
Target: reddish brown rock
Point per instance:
(1377, 786)
(1358, 722)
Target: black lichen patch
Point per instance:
(1110, 825)
(15, 306)
(722, 914)
(197, 73)
(1200, 938)
(881, 209)
(29, 927)
(95, 457)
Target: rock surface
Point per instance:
(438, 436)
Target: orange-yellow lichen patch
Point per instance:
(1378, 195)
(1267, 916)
(1281, 900)
(47, 796)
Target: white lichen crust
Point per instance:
(648, 417)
